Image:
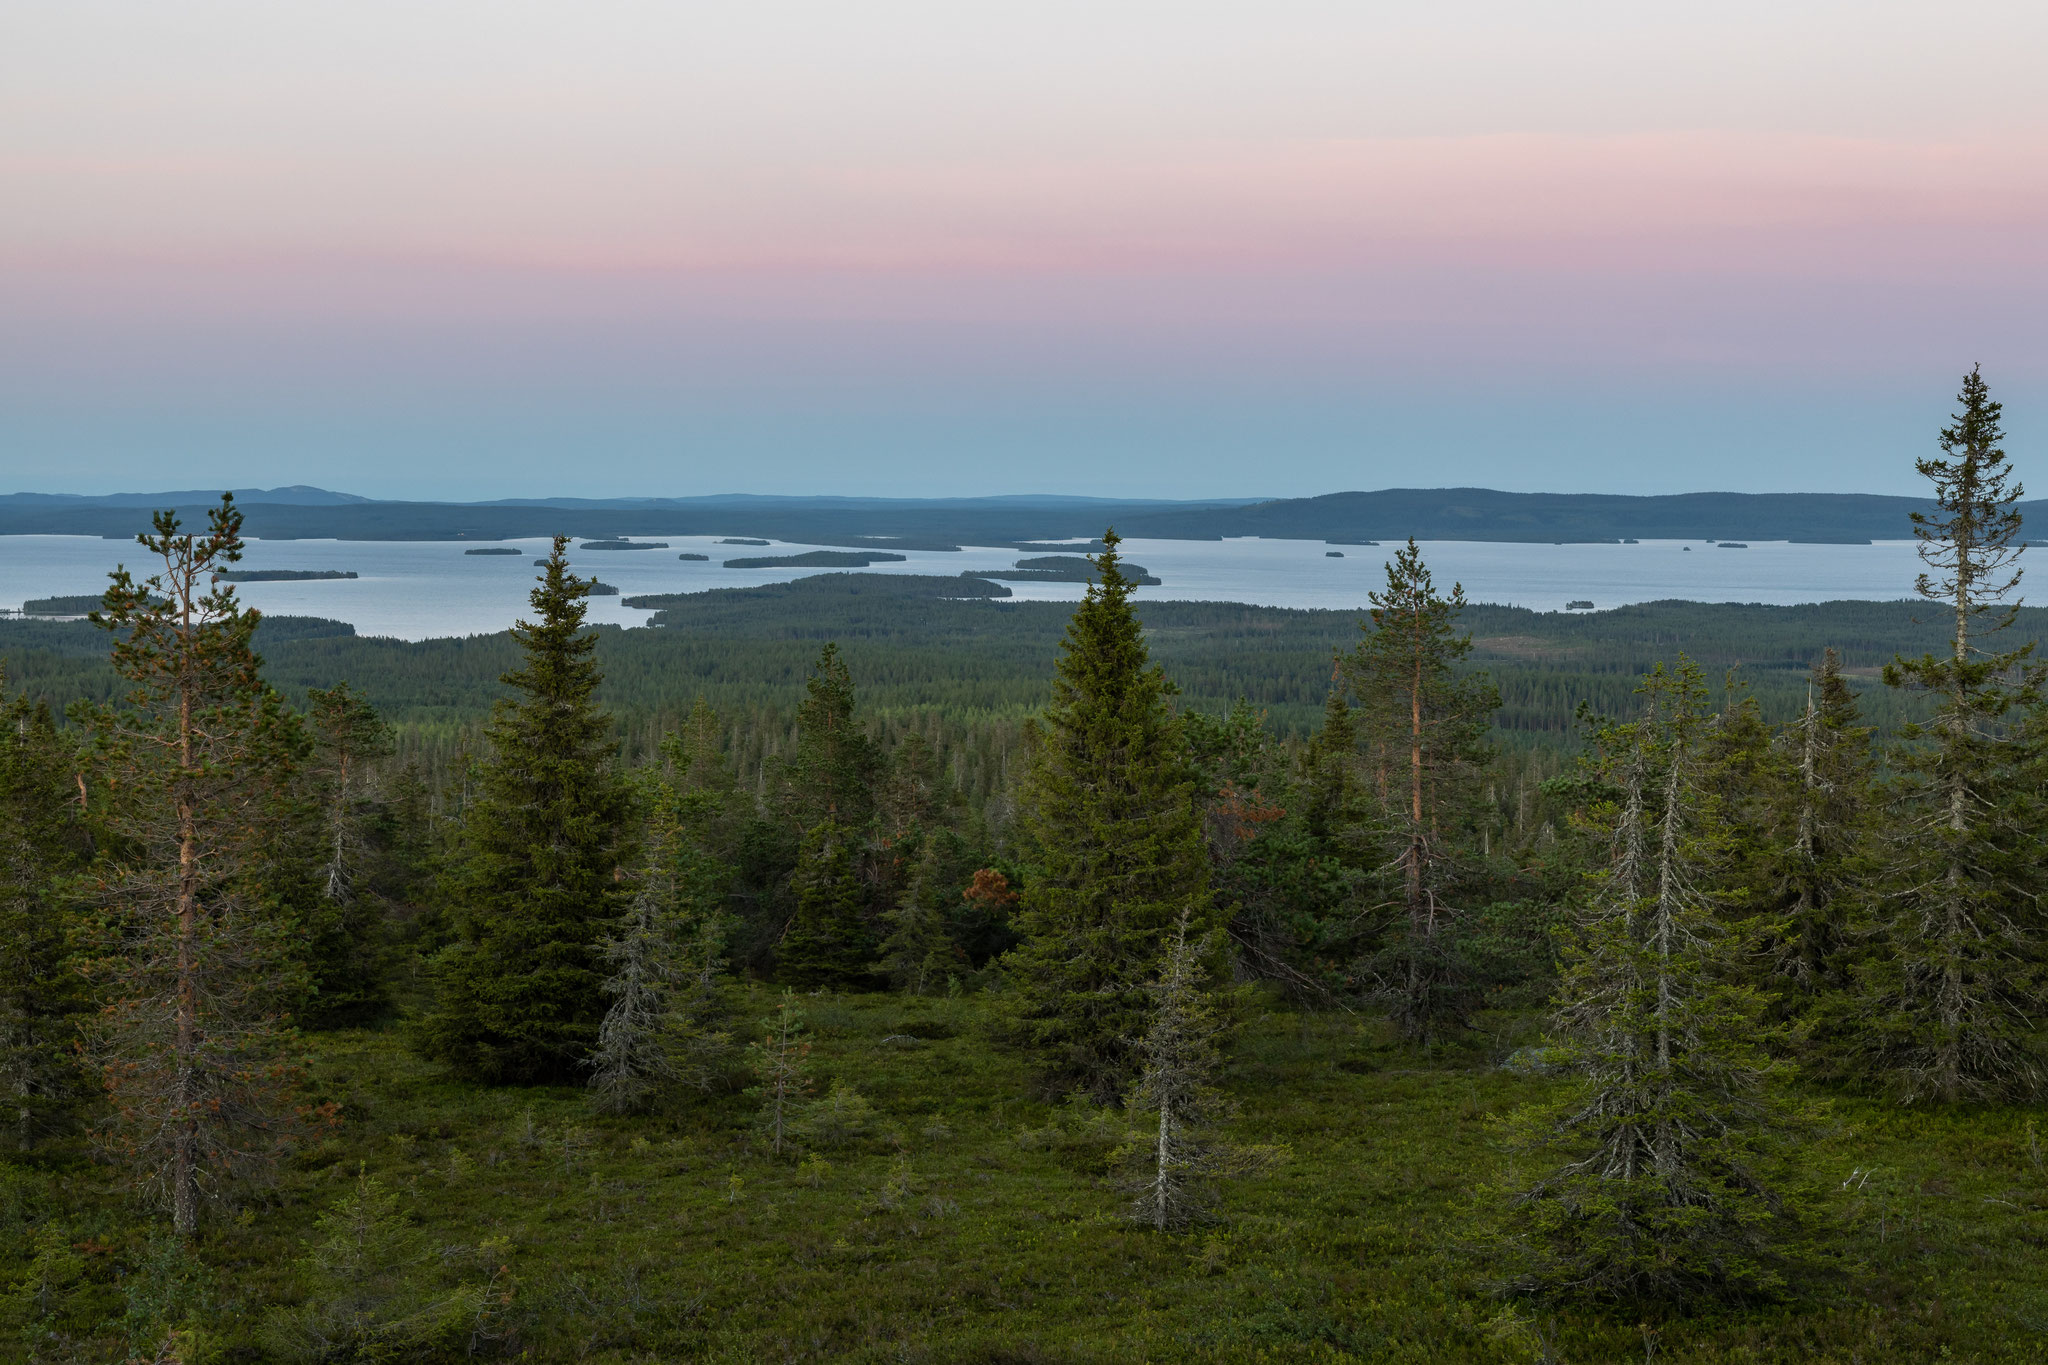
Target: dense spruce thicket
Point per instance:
(1135, 1008)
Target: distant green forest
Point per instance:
(982, 665)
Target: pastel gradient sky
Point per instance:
(482, 248)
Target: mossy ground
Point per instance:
(976, 1223)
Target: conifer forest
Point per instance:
(1042, 988)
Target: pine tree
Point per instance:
(40, 1004)
(1655, 1192)
(192, 971)
(1176, 1169)
(781, 1061)
(1109, 804)
(346, 926)
(828, 942)
(1953, 996)
(1432, 721)
(519, 994)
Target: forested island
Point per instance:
(818, 559)
(860, 969)
(281, 575)
(1063, 569)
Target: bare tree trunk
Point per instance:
(1949, 1006)
(1159, 1195)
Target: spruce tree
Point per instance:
(920, 954)
(1176, 1167)
(346, 925)
(781, 1062)
(1814, 878)
(1654, 1144)
(1109, 805)
(833, 774)
(191, 962)
(41, 841)
(519, 995)
(1953, 994)
(1430, 721)
(377, 1289)
(828, 942)
(663, 960)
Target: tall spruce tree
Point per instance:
(519, 995)
(1109, 804)
(41, 841)
(833, 774)
(1430, 721)
(1654, 1143)
(663, 962)
(828, 942)
(1954, 992)
(346, 926)
(192, 964)
(919, 953)
(1814, 878)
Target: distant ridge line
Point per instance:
(301, 512)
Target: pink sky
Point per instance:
(1216, 248)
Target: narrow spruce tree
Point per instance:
(1430, 721)
(519, 995)
(920, 953)
(828, 942)
(346, 925)
(1953, 994)
(833, 774)
(662, 971)
(1175, 1170)
(42, 841)
(781, 1061)
(1829, 808)
(1654, 1147)
(1109, 805)
(191, 964)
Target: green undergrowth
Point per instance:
(957, 1218)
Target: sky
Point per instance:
(490, 248)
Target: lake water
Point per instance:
(417, 590)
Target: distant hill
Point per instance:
(1026, 521)
(292, 495)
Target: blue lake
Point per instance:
(421, 589)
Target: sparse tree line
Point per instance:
(191, 874)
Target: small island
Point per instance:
(1064, 569)
(741, 540)
(598, 589)
(282, 575)
(1351, 542)
(1580, 605)
(623, 545)
(1733, 545)
(62, 606)
(693, 555)
(495, 550)
(817, 559)
(1333, 554)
